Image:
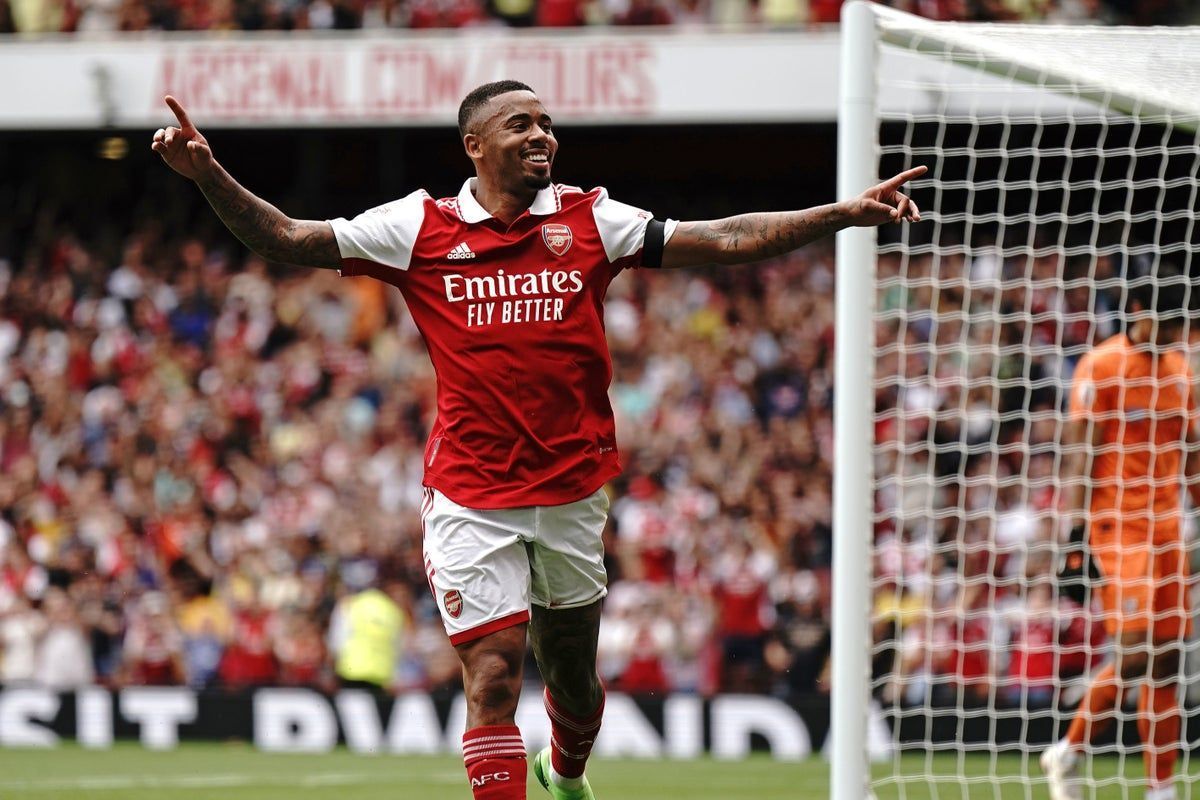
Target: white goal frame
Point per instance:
(865, 26)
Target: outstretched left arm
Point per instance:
(751, 237)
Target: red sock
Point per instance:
(1097, 708)
(1158, 725)
(571, 737)
(496, 762)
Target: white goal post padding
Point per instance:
(1064, 167)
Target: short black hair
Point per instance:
(1162, 289)
(480, 95)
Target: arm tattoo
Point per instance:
(265, 229)
(749, 237)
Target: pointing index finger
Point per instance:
(897, 181)
(180, 114)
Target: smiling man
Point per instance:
(506, 282)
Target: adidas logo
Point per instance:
(460, 252)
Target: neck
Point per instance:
(505, 204)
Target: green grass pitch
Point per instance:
(238, 772)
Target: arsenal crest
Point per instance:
(558, 238)
(453, 602)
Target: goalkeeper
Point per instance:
(1133, 427)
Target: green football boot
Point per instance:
(541, 769)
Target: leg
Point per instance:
(1159, 718)
(492, 669)
(1124, 586)
(1060, 762)
(564, 644)
(1097, 710)
(567, 590)
(493, 751)
(478, 572)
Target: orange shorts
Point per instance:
(1145, 585)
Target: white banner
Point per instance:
(303, 720)
(274, 80)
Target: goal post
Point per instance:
(854, 297)
(1064, 167)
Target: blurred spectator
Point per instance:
(428, 661)
(7, 23)
(798, 651)
(636, 640)
(976, 641)
(1053, 641)
(741, 598)
(64, 657)
(644, 12)
(516, 13)
(206, 626)
(48, 16)
(37, 16)
(365, 637)
(94, 16)
(153, 646)
(249, 659)
(300, 652)
(21, 627)
(561, 13)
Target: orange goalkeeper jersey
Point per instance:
(1142, 405)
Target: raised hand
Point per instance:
(184, 148)
(884, 202)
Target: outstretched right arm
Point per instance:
(259, 225)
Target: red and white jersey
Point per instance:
(513, 319)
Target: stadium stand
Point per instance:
(201, 454)
(90, 16)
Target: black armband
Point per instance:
(652, 245)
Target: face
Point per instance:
(513, 143)
(1165, 331)
(1163, 334)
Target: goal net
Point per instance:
(1063, 171)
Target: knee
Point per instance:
(493, 680)
(572, 673)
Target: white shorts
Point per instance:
(486, 566)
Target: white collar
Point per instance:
(544, 202)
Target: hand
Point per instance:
(184, 149)
(885, 203)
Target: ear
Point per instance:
(473, 145)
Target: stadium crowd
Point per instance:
(976, 356)
(207, 460)
(51, 16)
(204, 460)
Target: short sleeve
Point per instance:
(383, 235)
(622, 227)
